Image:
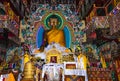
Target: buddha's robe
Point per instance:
(56, 36)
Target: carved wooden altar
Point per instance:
(72, 73)
(53, 56)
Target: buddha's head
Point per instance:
(53, 22)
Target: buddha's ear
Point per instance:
(58, 24)
(49, 23)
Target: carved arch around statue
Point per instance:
(42, 26)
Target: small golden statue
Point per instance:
(29, 69)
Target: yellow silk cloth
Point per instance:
(10, 77)
(103, 62)
(26, 58)
(56, 36)
(85, 61)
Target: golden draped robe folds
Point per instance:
(56, 36)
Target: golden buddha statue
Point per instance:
(55, 35)
(53, 29)
(28, 72)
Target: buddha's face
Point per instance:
(53, 22)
